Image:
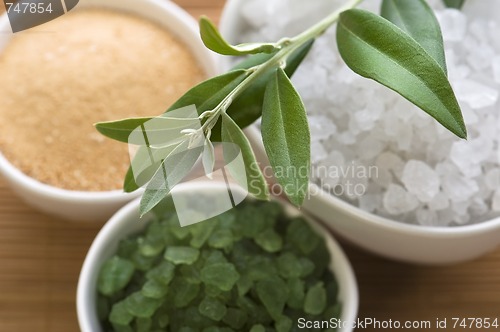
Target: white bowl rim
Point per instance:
(346, 273)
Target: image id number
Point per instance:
(475, 323)
(29, 7)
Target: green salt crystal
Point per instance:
(252, 221)
(141, 262)
(244, 284)
(300, 234)
(212, 290)
(179, 232)
(143, 324)
(151, 248)
(333, 311)
(321, 260)
(306, 267)
(273, 209)
(190, 273)
(269, 240)
(258, 328)
(122, 328)
(127, 247)
(289, 266)
(187, 329)
(221, 238)
(215, 256)
(227, 219)
(115, 274)
(196, 319)
(296, 293)
(315, 301)
(273, 293)
(217, 329)
(216, 292)
(120, 315)
(153, 244)
(256, 313)
(184, 291)
(261, 267)
(141, 306)
(163, 320)
(154, 289)
(221, 275)
(283, 324)
(181, 255)
(235, 318)
(164, 272)
(212, 308)
(201, 232)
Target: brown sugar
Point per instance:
(60, 78)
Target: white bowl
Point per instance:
(99, 206)
(385, 237)
(127, 222)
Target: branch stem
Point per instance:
(287, 48)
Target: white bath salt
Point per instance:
(493, 178)
(398, 201)
(453, 24)
(475, 94)
(425, 175)
(439, 202)
(426, 217)
(496, 68)
(495, 205)
(421, 180)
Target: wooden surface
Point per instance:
(40, 259)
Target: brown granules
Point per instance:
(58, 79)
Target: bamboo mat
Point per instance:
(40, 259)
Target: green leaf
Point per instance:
(248, 106)
(252, 61)
(172, 170)
(205, 96)
(286, 137)
(129, 183)
(214, 41)
(255, 181)
(158, 131)
(209, 94)
(375, 48)
(457, 4)
(208, 158)
(144, 166)
(120, 130)
(417, 19)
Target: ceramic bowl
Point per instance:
(127, 222)
(99, 206)
(382, 236)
